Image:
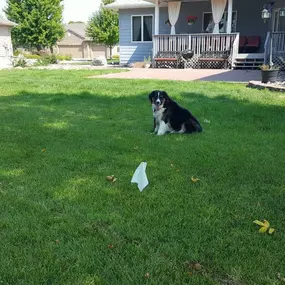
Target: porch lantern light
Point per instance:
(282, 12)
(265, 14)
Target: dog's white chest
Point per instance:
(158, 114)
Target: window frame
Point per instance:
(142, 34)
(226, 14)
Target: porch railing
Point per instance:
(197, 43)
(278, 48)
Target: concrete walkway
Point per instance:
(241, 76)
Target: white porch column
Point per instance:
(156, 17)
(230, 14)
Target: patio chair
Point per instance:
(214, 59)
(242, 43)
(167, 59)
(253, 43)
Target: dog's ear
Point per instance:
(165, 95)
(151, 95)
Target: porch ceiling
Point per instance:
(165, 1)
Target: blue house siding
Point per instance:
(249, 23)
(164, 29)
(129, 51)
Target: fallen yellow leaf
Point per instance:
(194, 179)
(111, 178)
(271, 231)
(265, 226)
(259, 223)
(266, 223)
(147, 275)
(263, 229)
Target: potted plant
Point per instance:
(167, 22)
(191, 20)
(147, 62)
(269, 73)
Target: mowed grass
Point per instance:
(62, 222)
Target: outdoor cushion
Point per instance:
(253, 41)
(242, 41)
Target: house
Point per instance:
(78, 45)
(211, 30)
(6, 48)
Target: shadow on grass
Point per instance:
(59, 209)
(87, 132)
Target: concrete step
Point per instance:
(248, 62)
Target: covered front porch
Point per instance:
(196, 50)
(216, 33)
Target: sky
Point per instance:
(74, 10)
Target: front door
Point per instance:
(278, 22)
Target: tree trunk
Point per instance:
(110, 47)
(51, 49)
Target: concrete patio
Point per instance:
(238, 76)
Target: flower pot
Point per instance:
(269, 75)
(146, 65)
(190, 24)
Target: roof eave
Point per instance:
(119, 6)
(8, 24)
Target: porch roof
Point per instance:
(128, 4)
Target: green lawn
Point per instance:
(62, 222)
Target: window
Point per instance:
(142, 28)
(208, 23)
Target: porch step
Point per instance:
(248, 61)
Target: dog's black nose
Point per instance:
(157, 102)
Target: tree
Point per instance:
(39, 22)
(103, 26)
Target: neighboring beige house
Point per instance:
(78, 45)
(6, 48)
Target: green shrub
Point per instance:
(52, 59)
(19, 61)
(64, 57)
(46, 60)
(16, 52)
(31, 56)
(42, 52)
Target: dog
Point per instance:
(169, 117)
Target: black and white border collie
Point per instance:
(169, 117)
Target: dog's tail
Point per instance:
(199, 128)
